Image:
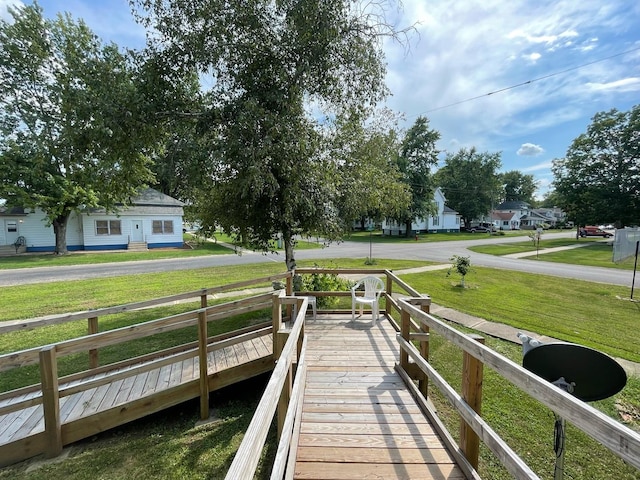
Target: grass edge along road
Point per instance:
(166, 445)
(588, 252)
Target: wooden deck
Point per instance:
(358, 418)
(126, 394)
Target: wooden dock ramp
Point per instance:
(359, 420)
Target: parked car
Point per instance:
(482, 228)
(593, 231)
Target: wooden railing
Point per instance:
(622, 441)
(52, 387)
(281, 396)
(407, 310)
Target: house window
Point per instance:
(108, 227)
(436, 220)
(12, 226)
(457, 220)
(162, 226)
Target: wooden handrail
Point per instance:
(30, 324)
(294, 410)
(621, 440)
(111, 337)
(246, 461)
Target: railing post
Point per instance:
(423, 383)
(50, 401)
(388, 294)
(279, 341)
(472, 375)
(93, 353)
(203, 364)
(405, 331)
(203, 301)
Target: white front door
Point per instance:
(10, 231)
(136, 231)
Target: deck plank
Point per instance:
(358, 418)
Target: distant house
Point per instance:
(445, 220)
(153, 220)
(519, 215)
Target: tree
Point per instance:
(518, 187)
(268, 170)
(73, 133)
(461, 265)
(418, 155)
(470, 182)
(599, 178)
(368, 181)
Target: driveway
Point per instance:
(433, 252)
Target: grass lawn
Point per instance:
(377, 236)
(593, 314)
(592, 252)
(196, 248)
(167, 445)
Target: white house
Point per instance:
(445, 220)
(154, 219)
(517, 215)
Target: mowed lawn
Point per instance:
(589, 252)
(168, 445)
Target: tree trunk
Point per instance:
(289, 259)
(60, 231)
(407, 226)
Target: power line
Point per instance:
(528, 82)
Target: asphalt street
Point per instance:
(433, 252)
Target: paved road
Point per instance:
(435, 252)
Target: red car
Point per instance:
(591, 231)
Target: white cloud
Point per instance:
(530, 150)
(533, 56)
(631, 84)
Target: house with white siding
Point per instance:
(444, 220)
(153, 220)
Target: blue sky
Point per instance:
(467, 49)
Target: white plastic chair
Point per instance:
(373, 288)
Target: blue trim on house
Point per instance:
(116, 246)
(52, 248)
(165, 245)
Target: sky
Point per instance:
(520, 77)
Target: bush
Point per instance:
(321, 282)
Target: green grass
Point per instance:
(591, 252)
(168, 446)
(33, 260)
(378, 237)
(593, 314)
(197, 248)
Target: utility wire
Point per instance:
(528, 82)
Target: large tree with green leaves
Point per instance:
(277, 68)
(73, 134)
(471, 182)
(368, 182)
(518, 186)
(418, 155)
(599, 178)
